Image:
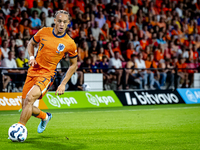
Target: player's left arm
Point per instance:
(61, 88)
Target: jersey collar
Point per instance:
(57, 35)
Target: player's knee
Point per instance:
(29, 99)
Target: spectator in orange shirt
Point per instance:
(101, 54)
(69, 6)
(110, 19)
(81, 5)
(182, 73)
(75, 31)
(131, 22)
(24, 24)
(14, 13)
(105, 32)
(179, 34)
(158, 3)
(82, 51)
(100, 3)
(124, 23)
(116, 48)
(108, 50)
(189, 41)
(195, 53)
(129, 11)
(159, 53)
(197, 4)
(16, 26)
(150, 63)
(143, 42)
(154, 21)
(129, 50)
(152, 9)
(117, 24)
(190, 27)
(9, 26)
(29, 3)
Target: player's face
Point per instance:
(61, 22)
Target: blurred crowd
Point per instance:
(150, 38)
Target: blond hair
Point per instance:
(62, 12)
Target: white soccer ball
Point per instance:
(86, 87)
(17, 133)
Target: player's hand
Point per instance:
(32, 62)
(60, 90)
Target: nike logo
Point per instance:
(44, 40)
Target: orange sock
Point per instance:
(21, 123)
(42, 115)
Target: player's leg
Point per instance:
(27, 108)
(44, 84)
(36, 111)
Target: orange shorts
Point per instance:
(43, 82)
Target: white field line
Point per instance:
(117, 110)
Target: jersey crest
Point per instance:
(60, 48)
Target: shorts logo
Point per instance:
(60, 48)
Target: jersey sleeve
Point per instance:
(36, 37)
(72, 52)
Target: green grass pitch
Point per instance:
(162, 127)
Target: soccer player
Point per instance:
(53, 44)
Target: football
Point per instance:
(86, 87)
(17, 133)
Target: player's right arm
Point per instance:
(30, 47)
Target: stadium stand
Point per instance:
(158, 40)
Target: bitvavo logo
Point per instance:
(96, 100)
(191, 96)
(145, 98)
(58, 101)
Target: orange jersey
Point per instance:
(107, 53)
(52, 49)
(129, 52)
(117, 50)
(150, 64)
(181, 67)
(195, 55)
(158, 55)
